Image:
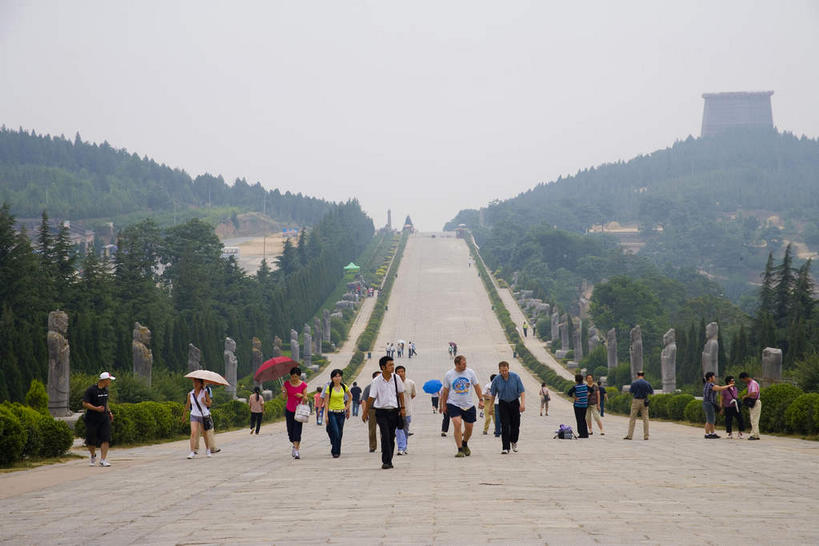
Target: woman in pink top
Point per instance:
(294, 391)
(256, 410)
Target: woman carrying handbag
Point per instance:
(198, 403)
(294, 391)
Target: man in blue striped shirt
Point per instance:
(508, 387)
(580, 393)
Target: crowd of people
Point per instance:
(400, 348)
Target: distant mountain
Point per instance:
(78, 180)
(718, 204)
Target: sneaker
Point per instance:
(207, 453)
(386, 466)
(753, 437)
(399, 452)
(739, 436)
(602, 433)
(410, 434)
(296, 454)
(215, 450)
(191, 455)
(104, 462)
(336, 455)
(292, 451)
(626, 438)
(93, 461)
(443, 434)
(467, 451)
(504, 452)
(485, 433)
(460, 453)
(716, 436)
(515, 447)
(372, 451)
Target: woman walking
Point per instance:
(256, 410)
(294, 391)
(733, 410)
(710, 405)
(198, 403)
(337, 400)
(545, 397)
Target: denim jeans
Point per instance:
(356, 408)
(401, 434)
(498, 421)
(335, 430)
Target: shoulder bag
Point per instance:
(207, 421)
(749, 402)
(400, 425)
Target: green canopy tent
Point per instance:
(351, 268)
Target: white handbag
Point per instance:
(302, 413)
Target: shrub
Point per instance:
(693, 412)
(123, 429)
(13, 437)
(621, 403)
(677, 405)
(273, 409)
(775, 401)
(180, 423)
(236, 413)
(130, 389)
(170, 386)
(79, 428)
(78, 383)
(31, 422)
(57, 437)
(37, 397)
(660, 405)
(800, 415)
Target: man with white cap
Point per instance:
(98, 419)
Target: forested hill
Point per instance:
(78, 180)
(717, 204)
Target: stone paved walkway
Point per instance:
(675, 488)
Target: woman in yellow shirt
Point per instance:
(336, 398)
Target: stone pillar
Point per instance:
(59, 364)
(594, 339)
(611, 348)
(636, 351)
(710, 352)
(771, 366)
(668, 361)
(294, 345)
(231, 366)
(194, 358)
(578, 340)
(326, 322)
(277, 347)
(319, 336)
(564, 333)
(141, 350)
(555, 326)
(308, 342)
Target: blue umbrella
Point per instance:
(432, 386)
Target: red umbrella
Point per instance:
(274, 368)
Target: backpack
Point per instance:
(565, 432)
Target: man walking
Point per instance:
(751, 399)
(508, 388)
(355, 392)
(401, 435)
(580, 393)
(640, 390)
(98, 419)
(488, 408)
(370, 411)
(525, 329)
(456, 402)
(386, 396)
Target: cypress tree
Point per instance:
(783, 291)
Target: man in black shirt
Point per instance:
(98, 419)
(355, 391)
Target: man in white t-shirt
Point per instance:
(401, 435)
(457, 402)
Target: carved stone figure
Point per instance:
(710, 352)
(564, 332)
(668, 361)
(318, 337)
(194, 358)
(771, 366)
(59, 364)
(294, 345)
(231, 365)
(141, 350)
(555, 329)
(636, 351)
(611, 348)
(308, 342)
(327, 331)
(578, 340)
(277, 347)
(594, 339)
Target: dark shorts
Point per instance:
(97, 432)
(468, 415)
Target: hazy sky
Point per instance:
(425, 107)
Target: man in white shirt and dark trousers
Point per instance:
(386, 396)
(457, 402)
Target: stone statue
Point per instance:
(555, 326)
(277, 347)
(636, 351)
(578, 340)
(256, 357)
(594, 339)
(308, 342)
(611, 348)
(771, 366)
(294, 345)
(710, 352)
(231, 365)
(564, 332)
(59, 365)
(319, 336)
(327, 330)
(141, 349)
(194, 358)
(668, 361)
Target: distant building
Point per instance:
(408, 225)
(743, 109)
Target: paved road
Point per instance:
(675, 488)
